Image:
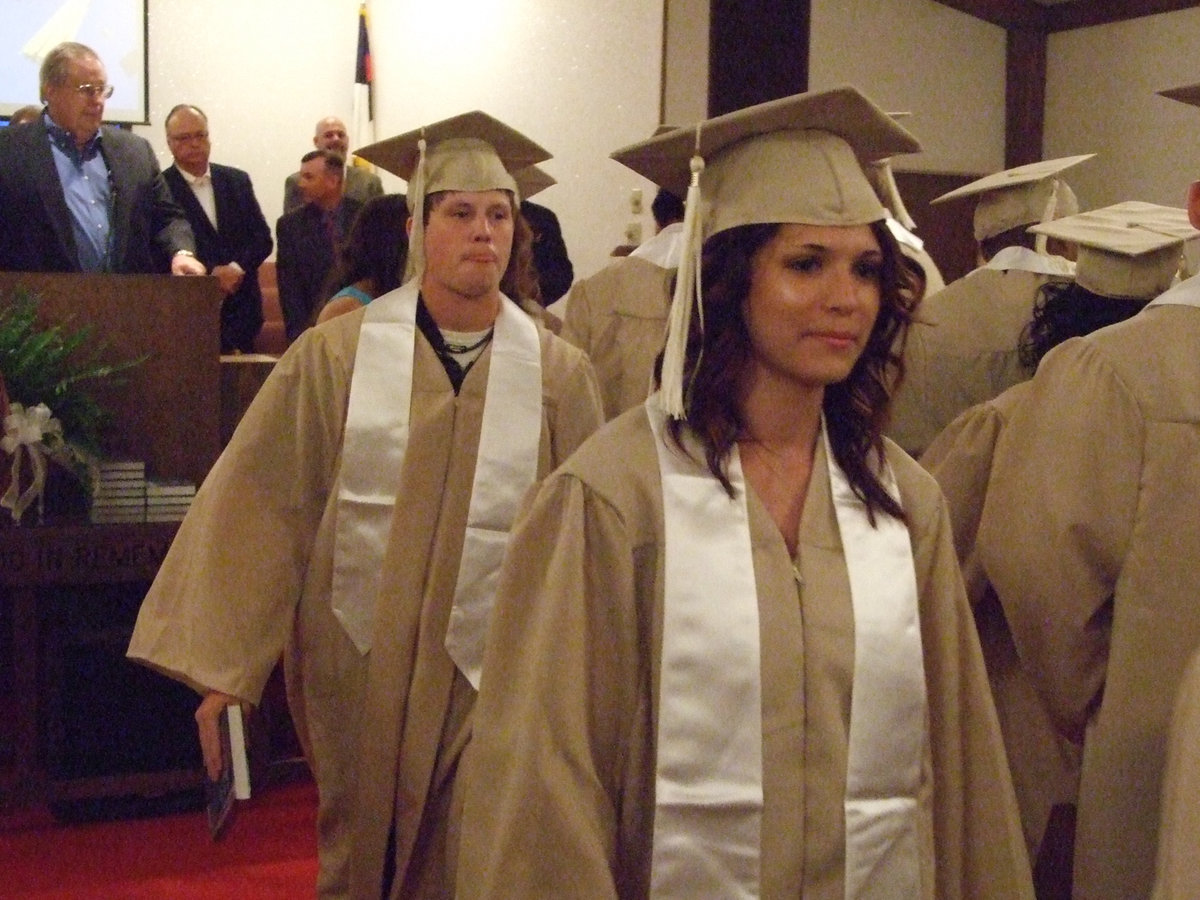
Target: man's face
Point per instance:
(77, 111)
(331, 135)
(318, 184)
(468, 240)
(187, 138)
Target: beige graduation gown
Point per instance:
(1044, 765)
(1178, 876)
(618, 317)
(561, 768)
(1089, 534)
(249, 575)
(962, 351)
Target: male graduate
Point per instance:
(618, 315)
(1089, 536)
(357, 518)
(964, 348)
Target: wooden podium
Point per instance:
(77, 720)
(166, 411)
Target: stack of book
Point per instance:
(121, 492)
(168, 499)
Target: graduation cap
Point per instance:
(1188, 93)
(533, 180)
(467, 152)
(1129, 250)
(798, 159)
(1023, 195)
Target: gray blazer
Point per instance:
(35, 224)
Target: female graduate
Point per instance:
(731, 654)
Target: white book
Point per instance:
(233, 783)
(237, 753)
(169, 488)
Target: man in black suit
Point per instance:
(308, 238)
(232, 237)
(76, 197)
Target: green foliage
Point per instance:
(54, 365)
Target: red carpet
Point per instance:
(269, 852)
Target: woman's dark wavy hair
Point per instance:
(520, 281)
(376, 246)
(1066, 310)
(856, 409)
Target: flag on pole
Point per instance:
(362, 128)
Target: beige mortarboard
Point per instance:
(467, 152)
(1130, 250)
(794, 160)
(1188, 93)
(1024, 195)
(533, 180)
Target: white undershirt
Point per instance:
(202, 187)
(474, 340)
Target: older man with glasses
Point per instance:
(232, 236)
(78, 197)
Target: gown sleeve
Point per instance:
(222, 604)
(560, 714)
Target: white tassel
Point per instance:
(414, 267)
(687, 295)
(885, 182)
(1048, 215)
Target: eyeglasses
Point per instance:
(94, 90)
(188, 136)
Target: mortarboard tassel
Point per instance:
(1048, 215)
(687, 295)
(415, 264)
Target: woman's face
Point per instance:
(814, 295)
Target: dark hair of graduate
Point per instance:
(375, 247)
(1066, 310)
(856, 409)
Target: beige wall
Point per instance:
(1100, 98)
(917, 56)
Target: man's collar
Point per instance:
(65, 141)
(196, 180)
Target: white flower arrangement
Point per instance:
(34, 434)
(47, 413)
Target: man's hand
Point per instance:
(229, 277)
(186, 264)
(207, 715)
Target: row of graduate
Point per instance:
(720, 646)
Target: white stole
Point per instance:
(1186, 293)
(708, 786)
(888, 705)
(708, 782)
(1022, 259)
(376, 437)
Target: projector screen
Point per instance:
(115, 29)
